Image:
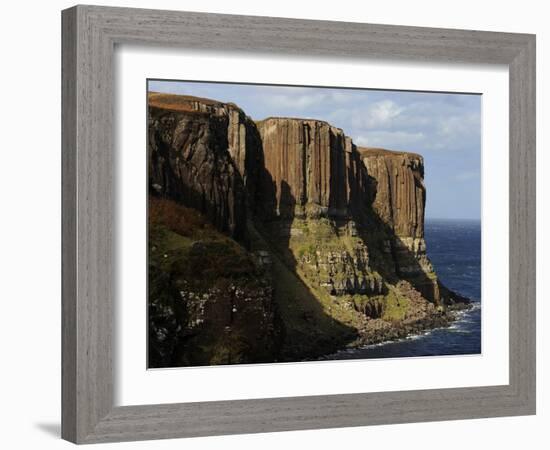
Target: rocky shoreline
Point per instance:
(422, 316)
(379, 332)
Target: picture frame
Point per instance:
(89, 37)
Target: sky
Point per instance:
(444, 128)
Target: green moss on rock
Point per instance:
(209, 300)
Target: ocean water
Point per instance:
(454, 248)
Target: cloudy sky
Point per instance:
(444, 128)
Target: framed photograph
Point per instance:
(279, 224)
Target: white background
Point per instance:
(135, 386)
(30, 225)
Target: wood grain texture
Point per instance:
(89, 36)
(68, 225)
(522, 224)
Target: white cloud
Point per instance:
(362, 141)
(393, 140)
(467, 175)
(303, 99)
(417, 126)
(380, 114)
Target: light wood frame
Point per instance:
(89, 37)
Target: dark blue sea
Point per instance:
(454, 248)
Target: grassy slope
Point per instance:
(195, 274)
(312, 323)
(321, 235)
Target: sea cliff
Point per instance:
(322, 242)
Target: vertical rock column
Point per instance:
(399, 204)
(313, 167)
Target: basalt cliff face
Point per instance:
(398, 179)
(313, 168)
(205, 155)
(321, 191)
(400, 191)
(328, 237)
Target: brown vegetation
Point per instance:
(177, 218)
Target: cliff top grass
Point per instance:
(175, 102)
(187, 104)
(302, 119)
(378, 151)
